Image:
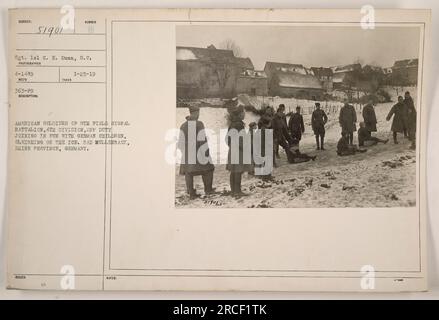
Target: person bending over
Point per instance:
(344, 148)
(365, 137)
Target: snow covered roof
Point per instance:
(346, 68)
(253, 74)
(185, 54)
(285, 67)
(296, 80)
(322, 72)
(212, 54)
(405, 63)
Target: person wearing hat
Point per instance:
(318, 121)
(348, 119)
(398, 112)
(280, 131)
(296, 125)
(192, 138)
(369, 117)
(239, 158)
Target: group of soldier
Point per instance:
(287, 134)
(404, 121)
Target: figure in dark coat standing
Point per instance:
(296, 125)
(369, 116)
(347, 119)
(411, 118)
(192, 138)
(399, 114)
(318, 121)
(266, 145)
(280, 131)
(239, 158)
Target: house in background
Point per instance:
(208, 72)
(405, 72)
(292, 80)
(252, 82)
(387, 70)
(344, 76)
(370, 78)
(244, 64)
(325, 76)
(272, 68)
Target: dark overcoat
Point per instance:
(348, 118)
(242, 160)
(411, 114)
(399, 114)
(318, 121)
(280, 128)
(370, 119)
(193, 165)
(296, 125)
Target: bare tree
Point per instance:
(358, 60)
(229, 44)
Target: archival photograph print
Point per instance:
(296, 116)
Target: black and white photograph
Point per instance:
(285, 153)
(329, 112)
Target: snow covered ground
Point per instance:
(384, 176)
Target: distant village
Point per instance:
(218, 73)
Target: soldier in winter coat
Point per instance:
(347, 119)
(318, 121)
(399, 114)
(369, 116)
(189, 146)
(239, 158)
(296, 125)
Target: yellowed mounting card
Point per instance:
(96, 200)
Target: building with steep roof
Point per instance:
(208, 72)
(252, 82)
(345, 76)
(325, 75)
(292, 80)
(405, 72)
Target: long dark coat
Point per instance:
(411, 114)
(399, 114)
(242, 164)
(370, 119)
(296, 125)
(318, 121)
(280, 127)
(347, 118)
(193, 166)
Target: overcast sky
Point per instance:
(310, 46)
